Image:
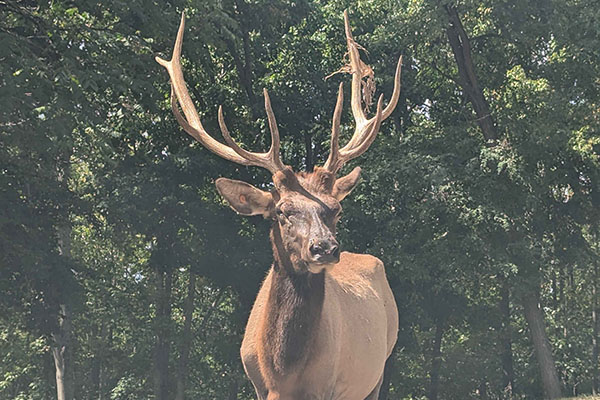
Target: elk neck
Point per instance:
(293, 312)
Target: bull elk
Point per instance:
(324, 322)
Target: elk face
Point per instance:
(304, 208)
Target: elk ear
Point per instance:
(244, 198)
(344, 185)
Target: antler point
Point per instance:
(161, 61)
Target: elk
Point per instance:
(324, 321)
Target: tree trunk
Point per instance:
(595, 334)
(61, 338)
(233, 389)
(186, 342)
(101, 383)
(568, 307)
(61, 352)
(244, 61)
(162, 327)
(563, 314)
(483, 389)
(436, 361)
(387, 374)
(390, 363)
(97, 370)
(95, 374)
(554, 290)
(541, 345)
(564, 302)
(508, 374)
(461, 48)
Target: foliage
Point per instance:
(89, 146)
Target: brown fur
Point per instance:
(321, 326)
(288, 345)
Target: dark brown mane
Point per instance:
(292, 311)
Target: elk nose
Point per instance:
(325, 248)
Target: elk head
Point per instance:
(304, 207)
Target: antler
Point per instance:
(192, 125)
(366, 129)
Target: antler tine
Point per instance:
(193, 126)
(370, 133)
(334, 153)
(337, 158)
(387, 111)
(357, 68)
(232, 144)
(269, 160)
(274, 154)
(366, 129)
(358, 136)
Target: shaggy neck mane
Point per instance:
(292, 313)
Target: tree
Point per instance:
(480, 195)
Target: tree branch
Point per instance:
(461, 48)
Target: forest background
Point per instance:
(124, 276)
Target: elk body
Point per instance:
(324, 322)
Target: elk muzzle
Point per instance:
(324, 251)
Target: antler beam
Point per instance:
(366, 129)
(193, 126)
